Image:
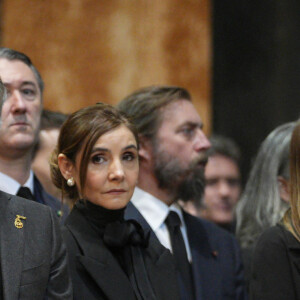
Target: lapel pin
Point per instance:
(215, 253)
(18, 221)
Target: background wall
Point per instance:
(91, 50)
(256, 69)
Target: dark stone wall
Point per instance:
(256, 69)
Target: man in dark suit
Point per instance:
(20, 122)
(172, 156)
(33, 258)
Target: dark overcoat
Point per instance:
(216, 260)
(97, 274)
(33, 257)
(275, 271)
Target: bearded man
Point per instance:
(173, 153)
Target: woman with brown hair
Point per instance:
(96, 165)
(276, 263)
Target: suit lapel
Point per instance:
(206, 271)
(207, 276)
(12, 245)
(157, 270)
(98, 260)
(160, 265)
(108, 276)
(132, 213)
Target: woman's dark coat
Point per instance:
(96, 273)
(276, 266)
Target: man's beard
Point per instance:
(183, 183)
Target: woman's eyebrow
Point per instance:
(130, 147)
(98, 149)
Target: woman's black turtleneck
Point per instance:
(99, 216)
(121, 237)
(110, 224)
(115, 232)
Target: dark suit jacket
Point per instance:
(96, 274)
(43, 197)
(216, 261)
(276, 266)
(33, 258)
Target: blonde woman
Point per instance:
(276, 264)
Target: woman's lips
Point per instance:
(115, 192)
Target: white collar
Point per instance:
(11, 186)
(153, 210)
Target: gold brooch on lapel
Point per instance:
(18, 222)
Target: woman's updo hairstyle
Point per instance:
(82, 129)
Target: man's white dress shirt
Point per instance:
(155, 213)
(11, 186)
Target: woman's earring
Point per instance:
(70, 181)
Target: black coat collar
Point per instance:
(103, 267)
(97, 260)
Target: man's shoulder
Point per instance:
(32, 205)
(195, 225)
(49, 200)
(39, 191)
(275, 237)
(209, 227)
(206, 231)
(17, 203)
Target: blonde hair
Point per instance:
(292, 220)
